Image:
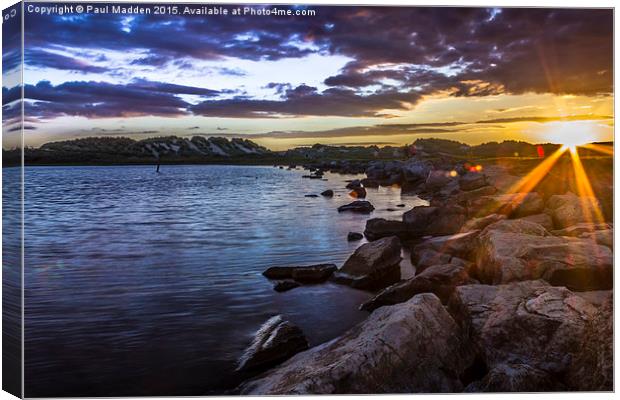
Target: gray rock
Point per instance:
(427, 257)
(481, 223)
(304, 274)
(529, 323)
(472, 181)
(459, 245)
(543, 220)
(438, 279)
(581, 228)
(569, 209)
(515, 377)
(516, 250)
(420, 216)
(276, 341)
(358, 206)
(515, 205)
(327, 193)
(377, 228)
(373, 265)
(592, 367)
(437, 179)
(407, 348)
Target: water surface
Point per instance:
(140, 283)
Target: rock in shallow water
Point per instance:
(276, 341)
(373, 265)
(283, 286)
(407, 348)
(354, 236)
(359, 206)
(327, 193)
(304, 274)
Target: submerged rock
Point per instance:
(276, 341)
(311, 195)
(373, 265)
(359, 206)
(283, 286)
(327, 193)
(407, 348)
(354, 236)
(303, 274)
(358, 192)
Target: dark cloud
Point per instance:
(306, 100)
(42, 58)
(104, 100)
(398, 55)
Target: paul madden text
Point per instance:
(166, 9)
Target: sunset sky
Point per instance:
(348, 75)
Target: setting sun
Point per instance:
(571, 134)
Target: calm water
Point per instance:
(140, 283)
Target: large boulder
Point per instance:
(276, 341)
(482, 222)
(303, 274)
(515, 205)
(373, 265)
(449, 220)
(358, 206)
(581, 228)
(416, 170)
(603, 237)
(435, 221)
(515, 377)
(459, 245)
(530, 324)
(592, 368)
(438, 279)
(413, 347)
(377, 228)
(472, 181)
(437, 179)
(464, 197)
(569, 209)
(516, 250)
(420, 216)
(425, 258)
(543, 220)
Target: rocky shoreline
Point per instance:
(513, 291)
